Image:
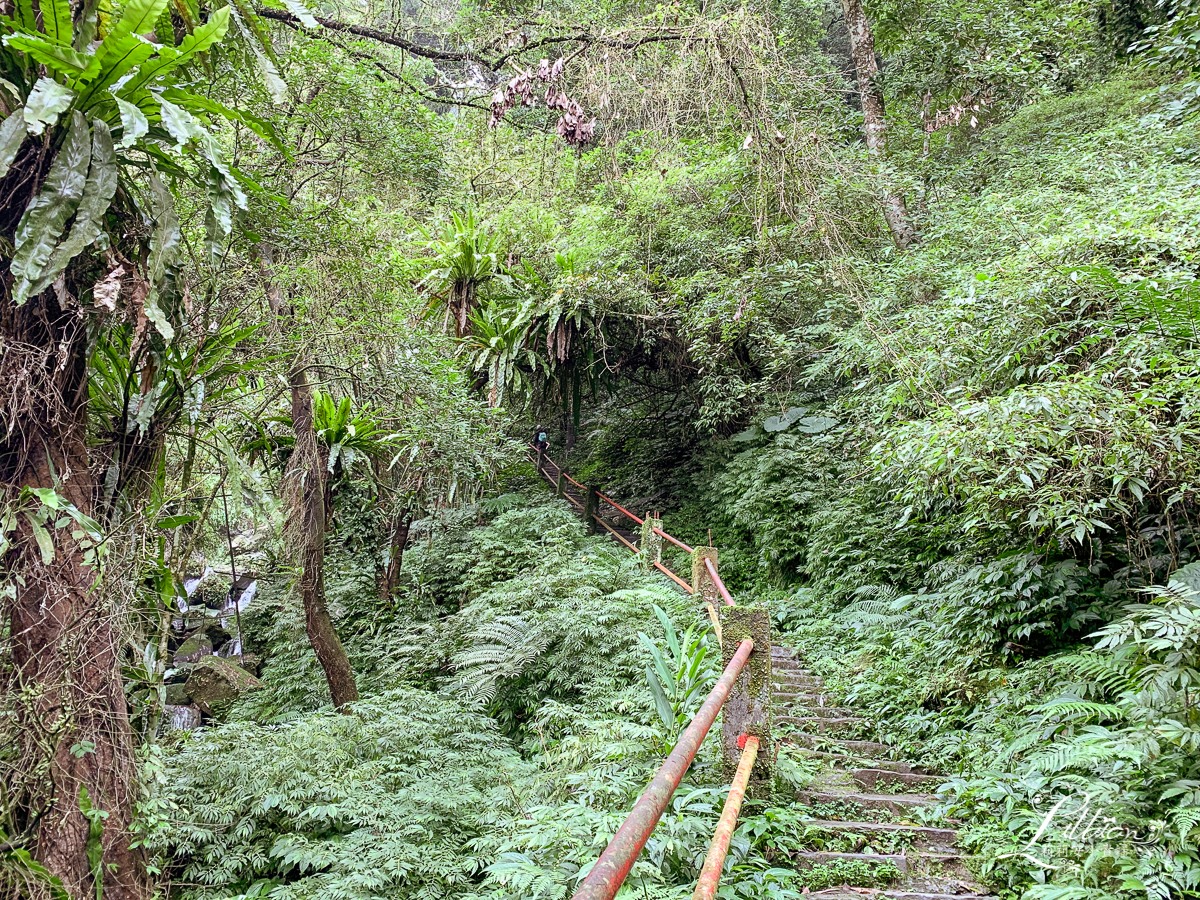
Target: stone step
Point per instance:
(872, 779)
(845, 761)
(863, 748)
(934, 837)
(817, 723)
(906, 863)
(847, 893)
(895, 803)
(822, 712)
(795, 685)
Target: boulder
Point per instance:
(192, 649)
(215, 683)
(204, 641)
(177, 695)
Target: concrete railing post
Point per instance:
(560, 489)
(704, 586)
(591, 509)
(651, 544)
(748, 708)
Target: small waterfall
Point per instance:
(182, 718)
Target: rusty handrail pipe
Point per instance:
(611, 869)
(714, 862)
(679, 581)
(609, 500)
(678, 543)
(712, 573)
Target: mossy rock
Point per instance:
(195, 647)
(216, 682)
(177, 695)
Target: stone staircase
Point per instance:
(864, 804)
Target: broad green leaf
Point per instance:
(783, 422)
(164, 242)
(44, 541)
(661, 703)
(55, 56)
(301, 12)
(180, 123)
(197, 103)
(669, 630)
(44, 219)
(260, 45)
(27, 15)
(46, 103)
(56, 20)
(133, 123)
(89, 218)
(815, 424)
(172, 57)
(12, 135)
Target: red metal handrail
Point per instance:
(712, 573)
(658, 565)
(613, 502)
(620, 537)
(611, 869)
(679, 581)
(710, 874)
(678, 543)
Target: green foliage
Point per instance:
(681, 677)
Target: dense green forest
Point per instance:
(893, 302)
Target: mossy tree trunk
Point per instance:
(862, 51)
(74, 747)
(308, 512)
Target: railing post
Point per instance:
(591, 509)
(651, 543)
(704, 586)
(748, 709)
(561, 489)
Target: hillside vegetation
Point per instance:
(893, 302)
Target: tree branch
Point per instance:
(584, 37)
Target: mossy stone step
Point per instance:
(906, 863)
(872, 779)
(849, 761)
(922, 835)
(823, 712)
(894, 803)
(817, 723)
(847, 893)
(862, 748)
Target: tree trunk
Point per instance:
(862, 51)
(308, 468)
(72, 733)
(308, 513)
(391, 577)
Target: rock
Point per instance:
(177, 695)
(216, 682)
(192, 649)
(204, 641)
(181, 717)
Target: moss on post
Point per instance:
(651, 543)
(560, 490)
(748, 709)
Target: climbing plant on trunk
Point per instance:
(93, 110)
